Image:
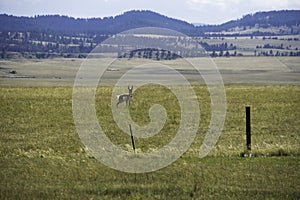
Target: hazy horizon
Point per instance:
(191, 11)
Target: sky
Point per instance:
(192, 11)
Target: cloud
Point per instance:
(244, 4)
(218, 3)
(216, 11)
(274, 4)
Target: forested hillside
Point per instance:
(106, 25)
(53, 35)
(284, 18)
(135, 19)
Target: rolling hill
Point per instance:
(62, 36)
(142, 18)
(106, 25)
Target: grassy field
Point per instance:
(42, 157)
(234, 70)
(247, 45)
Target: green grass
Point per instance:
(42, 157)
(275, 118)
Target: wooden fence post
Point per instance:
(132, 139)
(248, 128)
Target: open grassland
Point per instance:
(234, 70)
(247, 45)
(41, 155)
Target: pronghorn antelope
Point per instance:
(125, 97)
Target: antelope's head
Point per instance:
(130, 89)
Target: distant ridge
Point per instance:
(287, 18)
(140, 18)
(107, 25)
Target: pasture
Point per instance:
(234, 70)
(41, 155)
